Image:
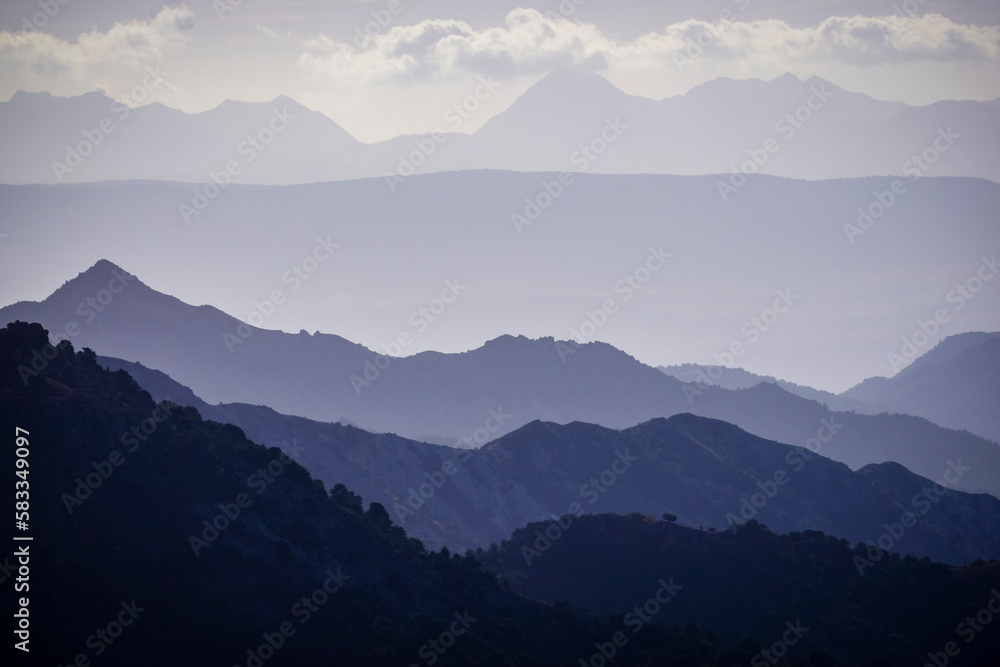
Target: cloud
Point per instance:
(434, 48)
(856, 40)
(130, 43)
(533, 42)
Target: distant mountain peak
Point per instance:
(505, 340)
(787, 76)
(23, 95)
(30, 99)
(103, 267)
(572, 86)
(97, 278)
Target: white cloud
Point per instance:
(531, 42)
(128, 43)
(433, 48)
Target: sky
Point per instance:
(391, 67)
(384, 68)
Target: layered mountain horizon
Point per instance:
(358, 588)
(492, 391)
(500, 334)
(715, 128)
(543, 279)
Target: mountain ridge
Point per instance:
(329, 378)
(538, 132)
(685, 464)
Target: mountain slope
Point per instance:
(303, 577)
(507, 383)
(776, 234)
(711, 129)
(213, 550)
(769, 583)
(467, 499)
(271, 142)
(738, 378)
(955, 384)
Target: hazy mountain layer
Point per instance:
(786, 127)
(955, 384)
(476, 396)
(706, 472)
(738, 378)
(338, 261)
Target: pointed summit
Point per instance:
(576, 81)
(562, 98)
(97, 277)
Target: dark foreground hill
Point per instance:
(857, 606)
(179, 541)
(163, 539)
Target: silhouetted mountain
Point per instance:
(493, 390)
(208, 548)
(768, 584)
(212, 549)
(706, 472)
(279, 141)
(821, 131)
(738, 378)
(775, 234)
(855, 439)
(955, 384)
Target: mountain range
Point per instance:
(542, 279)
(707, 473)
(712, 129)
(728, 377)
(194, 511)
(955, 385)
(489, 392)
(762, 581)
